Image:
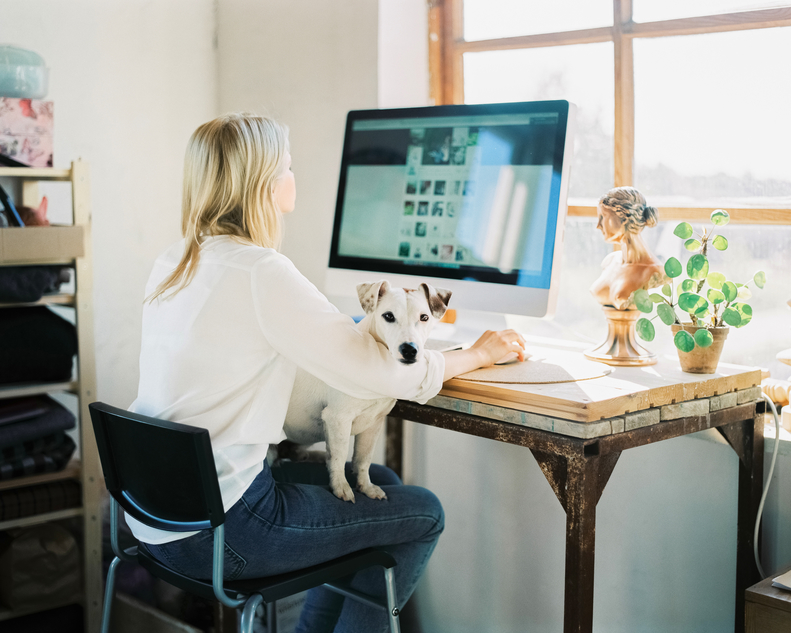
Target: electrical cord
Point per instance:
(766, 487)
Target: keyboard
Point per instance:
(441, 345)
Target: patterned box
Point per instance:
(26, 131)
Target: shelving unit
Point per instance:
(71, 246)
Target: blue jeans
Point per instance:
(289, 519)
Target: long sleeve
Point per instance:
(302, 325)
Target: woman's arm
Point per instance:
(487, 350)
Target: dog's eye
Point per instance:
(424, 317)
(388, 316)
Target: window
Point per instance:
(684, 99)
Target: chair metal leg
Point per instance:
(392, 602)
(248, 614)
(108, 595)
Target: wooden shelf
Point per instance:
(60, 299)
(32, 173)
(72, 471)
(7, 614)
(33, 245)
(37, 389)
(41, 518)
(65, 246)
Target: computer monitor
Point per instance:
(471, 198)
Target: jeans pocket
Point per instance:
(233, 563)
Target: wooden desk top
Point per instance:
(764, 593)
(627, 398)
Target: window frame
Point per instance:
(447, 46)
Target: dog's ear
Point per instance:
(370, 293)
(437, 298)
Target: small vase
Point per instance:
(621, 348)
(701, 360)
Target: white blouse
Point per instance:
(222, 354)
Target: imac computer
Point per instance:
(471, 198)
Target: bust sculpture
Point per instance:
(623, 213)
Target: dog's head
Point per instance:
(402, 318)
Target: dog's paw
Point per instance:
(343, 490)
(372, 491)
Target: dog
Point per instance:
(399, 318)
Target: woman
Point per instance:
(623, 213)
(227, 321)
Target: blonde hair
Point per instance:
(631, 208)
(230, 170)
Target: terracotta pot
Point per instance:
(701, 360)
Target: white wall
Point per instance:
(130, 80)
(305, 63)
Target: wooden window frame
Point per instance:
(446, 77)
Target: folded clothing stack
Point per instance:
(33, 438)
(36, 345)
(39, 499)
(26, 284)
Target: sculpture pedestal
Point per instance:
(621, 347)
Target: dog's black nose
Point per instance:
(408, 351)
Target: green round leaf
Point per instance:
(667, 290)
(683, 230)
(645, 329)
(745, 313)
(666, 313)
(731, 317)
(716, 280)
(698, 266)
(702, 308)
(687, 285)
(730, 290)
(744, 293)
(657, 298)
(720, 217)
(684, 341)
(643, 301)
(703, 338)
(673, 268)
(720, 243)
(715, 296)
(692, 245)
(692, 303)
(760, 278)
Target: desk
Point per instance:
(768, 608)
(577, 431)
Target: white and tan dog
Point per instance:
(399, 318)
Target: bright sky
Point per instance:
(703, 104)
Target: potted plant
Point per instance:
(708, 301)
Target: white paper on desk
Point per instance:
(783, 582)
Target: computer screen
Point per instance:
(470, 198)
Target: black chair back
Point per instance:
(162, 473)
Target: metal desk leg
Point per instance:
(746, 438)
(578, 481)
(394, 445)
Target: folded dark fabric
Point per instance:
(18, 409)
(23, 284)
(36, 345)
(38, 499)
(45, 455)
(55, 419)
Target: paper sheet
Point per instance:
(783, 582)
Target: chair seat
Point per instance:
(272, 587)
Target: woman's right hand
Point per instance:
(487, 350)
